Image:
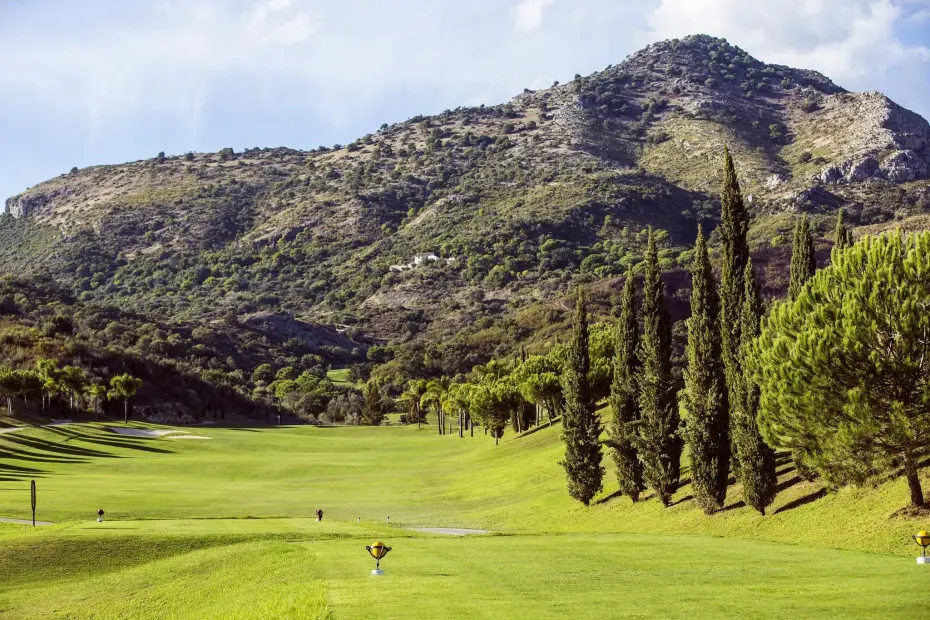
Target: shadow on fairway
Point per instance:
(734, 506)
(116, 441)
(22, 455)
(787, 484)
(49, 446)
(610, 497)
(801, 501)
(15, 473)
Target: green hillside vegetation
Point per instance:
(242, 255)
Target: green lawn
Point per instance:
(223, 528)
(339, 375)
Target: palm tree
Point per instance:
(9, 387)
(49, 374)
(435, 392)
(416, 388)
(73, 379)
(457, 399)
(124, 387)
(95, 392)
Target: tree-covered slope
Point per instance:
(517, 202)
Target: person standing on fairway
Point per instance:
(319, 515)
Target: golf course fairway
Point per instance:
(223, 528)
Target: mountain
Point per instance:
(507, 206)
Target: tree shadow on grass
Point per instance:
(733, 506)
(801, 501)
(686, 498)
(606, 499)
(541, 427)
(17, 473)
(787, 484)
(49, 446)
(23, 455)
(116, 441)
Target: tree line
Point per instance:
(47, 382)
(836, 375)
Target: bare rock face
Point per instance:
(862, 170)
(27, 203)
(904, 166)
(885, 141)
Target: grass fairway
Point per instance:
(339, 375)
(222, 527)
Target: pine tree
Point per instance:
(659, 440)
(842, 236)
(803, 260)
(581, 426)
(623, 396)
(756, 459)
(707, 429)
(819, 374)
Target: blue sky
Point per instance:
(106, 81)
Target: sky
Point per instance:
(86, 82)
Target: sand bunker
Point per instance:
(143, 432)
(448, 531)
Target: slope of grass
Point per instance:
(414, 477)
(339, 375)
(223, 528)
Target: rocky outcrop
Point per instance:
(899, 167)
(880, 140)
(904, 166)
(25, 204)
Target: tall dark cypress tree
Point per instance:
(623, 396)
(735, 254)
(707, 429)
(803, 260)
(803, 266)
(581, 426)
(756, 459)
(659, 441)
(842, 236)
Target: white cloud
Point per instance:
(851, 41)
(325, 71)
(275, 21)
(527, 15)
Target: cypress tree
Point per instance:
(803, 260)
(803, 267)
(756, 458)
(623, 396)
(659, 441)
(581, 426)
(735, 254)
(705, 397)
(842, 236)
